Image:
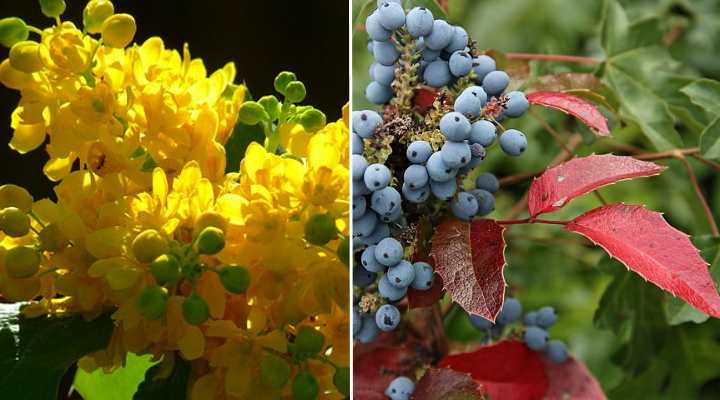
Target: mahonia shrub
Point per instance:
(235, 268)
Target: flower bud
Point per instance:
(320, 229)
(195, 309)
(210, 241)
(341, 380)
(252, 113)
(343, 251)
(152, 302)
(274, 371)
(118, 30)
(235, 279)
(52, 238)
(22, 262)
(52, 8)
(210, 218)
(14, 222)
(305, 386)
(25, 56)
(95, 13)
(15, 196)
(282, 80)
(12, 30)
(271, 105)
(313, 120)
(308, 342)
(149, 245)
(295, 92)
(165, 269)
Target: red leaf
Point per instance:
(470, 257)
(376, 365)
(573, 105)
(424, 98)
(507, 370)
(560, 184)
(643, 241)
(571, 380)
(443, 383)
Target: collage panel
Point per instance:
(174, 200)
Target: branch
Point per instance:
(701, 197)
(554, 57)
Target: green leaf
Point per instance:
(124, 381)
(710, 140)
(238, 142)
(35, 353)
(159, 387)
(615, 28)
(705, 93)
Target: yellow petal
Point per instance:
(58, 168)
(237, 379)
(206, 388)
(28, 137)
(107, 242)
(192, 343)
(275, 340)
(160, 185)
(210, 289)
(122, 278)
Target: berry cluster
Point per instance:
(535, 333)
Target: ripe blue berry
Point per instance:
(483, 65)
(368, 331)
(387, 317)
(377, 93)
(380, 232)
(424, 276)
(381, 2)
(455, 154)
(369, 262)
(356, 322)
(459, 40)
(516, 105)
(390, 292)
(416, 176)
(389, 252)
(536, 338)
(455, 127)
(443, 190)
(494, 82)
(365, 123)
(419, 22)
(556, 352)
(513, 142)
(460, 63)
(377, 176)
(384, 74)
(357, 144)
(391, 15)
(416, 196)
(401, 388)
(464, 206)
(401, 274)
(359, 206)
(364, 225)
(477, 151)
(486, 201)
(487, 181)
(480, 322)
(440, 36)
(546, 317)
(437, 73)
(470, 101)
(362, 277)
(385, 53)
(359, 188)
(374, 30)
(530, 318)
(419, 151)
(483, 132)
(438, 170)
(392, 216)
(385, 201)
(511, 311)
(359, 165)
(430, 55)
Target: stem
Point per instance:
(35, 30)
(699, 193)
(674, 153)
(273, 138)
(558, 139)
(600, 197)
(531, 220)
(554, 57)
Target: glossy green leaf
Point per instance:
(123, 381)
(705, 93)
(36, 353)
(710, 140)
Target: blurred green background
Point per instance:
(631, 346)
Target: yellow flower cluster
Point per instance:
(242, 274)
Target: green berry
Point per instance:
(308, 342)
(341, 379)
(282, 80)
(165, 269)
(305, 386)
(52, 239)
(12, 30)
(22, 262)
(313, 120)
(152, 302)
(295, 92)
(195, 309)
(149, 245)
(343, 251)
(210, 241)
(52, 8)
(320, 229)
(235, 279)
(274, 371)
(14, 222)
(15, 196)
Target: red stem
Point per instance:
(531, 220)
(553, 57)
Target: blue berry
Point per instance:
(440, 36)
(380, 232)
(387, 317)
(483, 65)
(546, 317)
(381, 2)
(455, 154)
(416, 196)
(391, 15)
(483, 132)
(384, 74)
(357, 144)
(430, 55)
(392, 216)
(487, 181)
(460, 63)
(419, 151)
(369, 262)
(443, 190)
(511, 311)
(390, 292)
(459, 40)
(368, 331)
(464, 206)
(494, 82)
(401, 274)
(486, 201)
(513, 142)
(480, 322)
(359, 165)
(416, 176)
(424, 276)
(370, 46)
(375, 30)
(536, 338)
(363, 226)
(419, 22)
(362, 277)
(365, 123)
(556, 352)
(437, 74)
(359, 187)
(516, 105)
(438, 170)
(455, 127)
(377, 176)
(386, 201)
(385, 53)
(359, 206)
(401, 388)
(356, 322)
(470, 101)
(530, 318)
(477, 151)
(377, 93)
(389, 252)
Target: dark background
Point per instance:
(263, 38)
